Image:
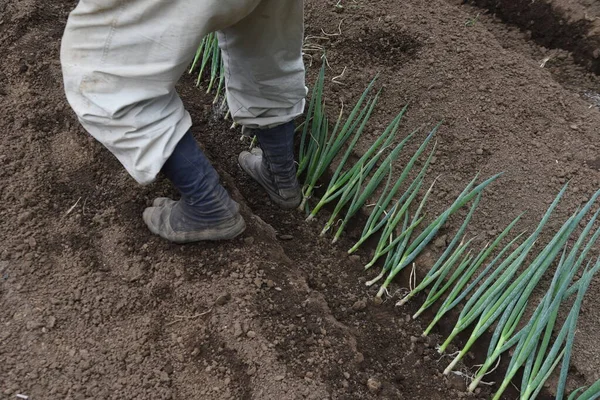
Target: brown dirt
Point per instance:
(94, 306)
(572, 25)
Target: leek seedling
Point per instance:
(533, 365)
(402, 240)
(340, 178)
(208, 57)
(457, 294)
(490, 289)
(317, 130)
(376, 180)
(362, 195)
(592, 393)
(393, 256)
(514, 298)
(501, 340)
(436, 292)
(400, 243)
(431, 231)
(535, 381)
(375, 220)
(341, 133)
(433, 273)
(529, 338)
(306, 142)
(386, 241)
(546, 311)
(372, 186)
(532, 371)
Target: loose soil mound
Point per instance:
(94, 306)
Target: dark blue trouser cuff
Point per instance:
(205, 199)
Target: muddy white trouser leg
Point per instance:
(263, 64)
(121, 61)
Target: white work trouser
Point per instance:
(121, 60)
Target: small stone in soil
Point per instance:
(456, 382)
(440, 242)
(237, 329)
(24, 216)
(31, 325)
(285, 237)
(359, 305)
(374, 385)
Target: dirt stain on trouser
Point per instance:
(122, 59)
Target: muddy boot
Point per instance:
(272, 166)
(205, 211)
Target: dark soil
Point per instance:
(95, 307)
(572, 25)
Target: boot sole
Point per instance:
(213, 234)
(226, 231)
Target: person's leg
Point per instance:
(121, 61)
(205, 211)
(265, 80)
(273, 166)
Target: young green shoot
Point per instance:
(363, 194)
(434, 272)
(458, 294)
(332, 143)
(378, 217)
(436, 292)
(530, 335)
(208, 56)
(591, 393)
(560, 350)
(340, 177)
(417, 245)
(489, 291)
(514, 298)
(529, 339)
(387, 241)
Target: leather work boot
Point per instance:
(205, 210)
(272, 165)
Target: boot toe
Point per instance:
(250, 163)
(245, 157)
(162, 201)
(152, 219)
